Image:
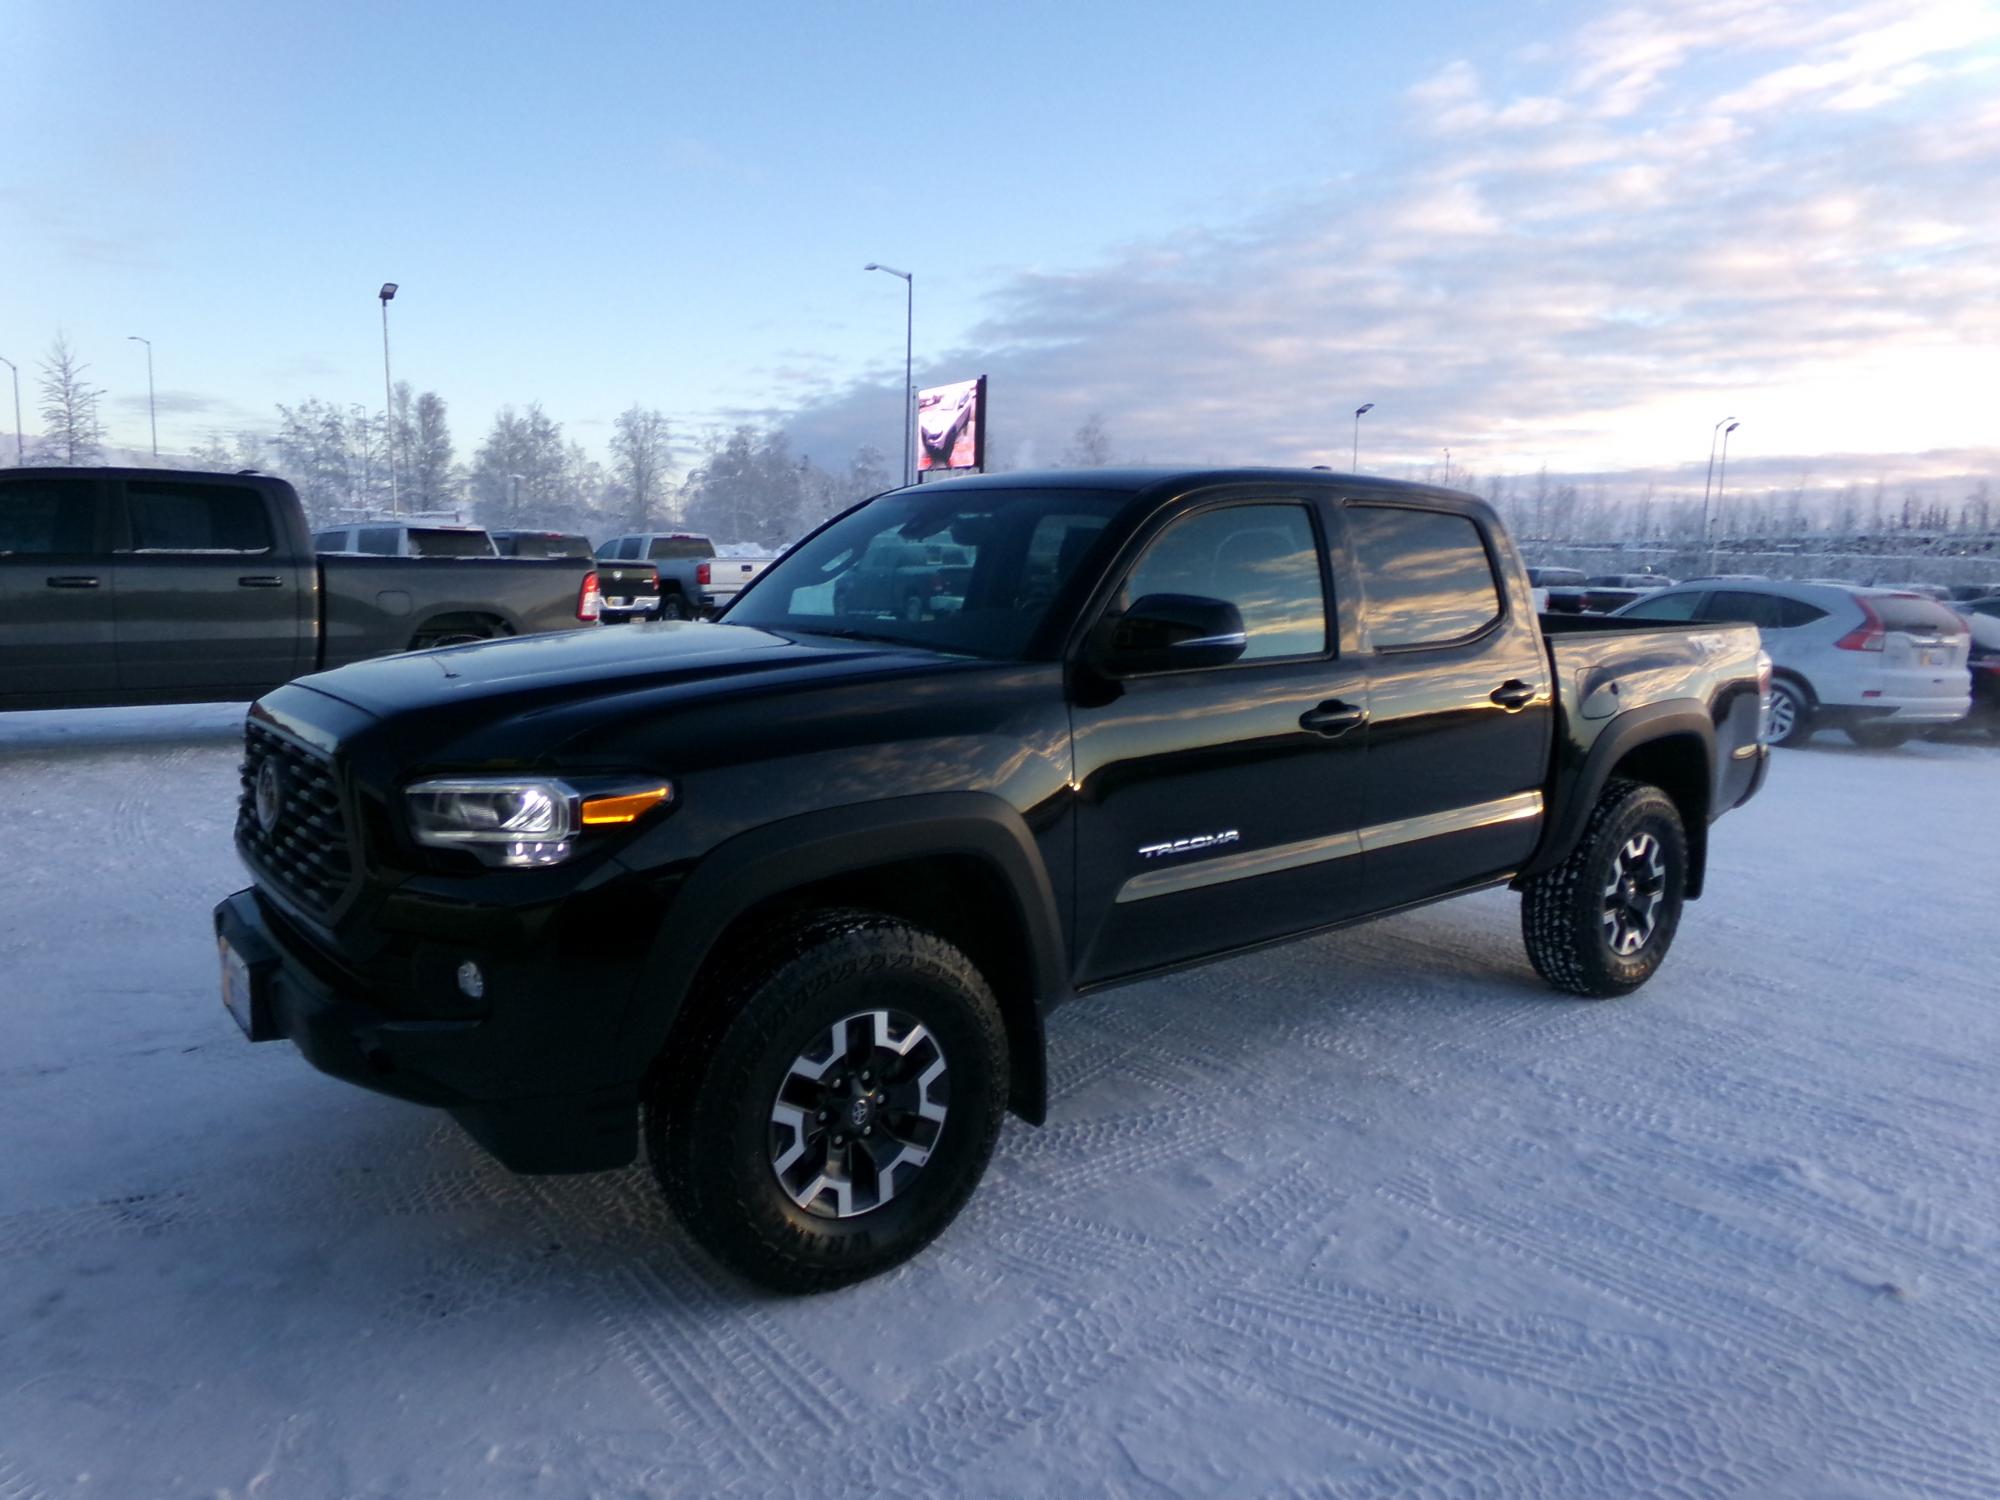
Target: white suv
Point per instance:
(1880, 664)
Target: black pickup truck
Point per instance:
(793, 892)
(166, 586)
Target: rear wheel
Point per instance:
(673, 607)
(1601, 922)
(1788, 721)
(1878, 736)
(837, 1107)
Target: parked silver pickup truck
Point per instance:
(695, 583)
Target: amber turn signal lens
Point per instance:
(598, 811)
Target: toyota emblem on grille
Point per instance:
(270, 795)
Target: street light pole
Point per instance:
(1713, 433)
(909, 344)
(1721, 473)
(388, 294)
(152, 408)
(20, 444)
(1359, 412)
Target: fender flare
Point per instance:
(765, 862)
(1628, 732)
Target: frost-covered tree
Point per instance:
(427, 451)
(70, 430)
(641, 453)
(519, 471)
(1090, 446)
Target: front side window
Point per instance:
(174, 517)
(1424, 573)
(1261, 558)
(971, 572)
(43, 517)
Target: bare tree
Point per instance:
(69, 407)
(640, 456)
(1090, 448)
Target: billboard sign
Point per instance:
(951, 426)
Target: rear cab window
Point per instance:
(167, 516)
(428, 541)
(1426, 576)
(679, 549)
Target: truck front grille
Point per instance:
(298, 839)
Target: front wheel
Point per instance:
(839, 1105)
(1601, 922)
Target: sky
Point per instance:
(1550, 235)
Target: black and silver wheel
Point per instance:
(1601, 922)
(1788, 717)
(830, 1108)
(859, 1112)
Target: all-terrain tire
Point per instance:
(1567, 918)
(711, 1104)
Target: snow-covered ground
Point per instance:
(1369, 1215)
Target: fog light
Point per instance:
(471, 983)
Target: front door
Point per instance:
(55, 589)
(1219, 806)
(208, 600)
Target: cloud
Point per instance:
(175, 403)
(1655, 235)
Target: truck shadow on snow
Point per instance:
(175, 726)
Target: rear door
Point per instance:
(1461, 708)
(56, 587)
(208, 601)
(1218, 807)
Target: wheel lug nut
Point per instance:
(822, 1117)
(867, 1129)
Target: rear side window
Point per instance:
(1261, 558)
(1665, 607)
(169, 517)
(431, 542)
(382, 541)
(679, 548)
(1425, 574)
(1766, 611)
(40, 517)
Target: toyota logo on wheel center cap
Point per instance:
(858, 1112)
(270, 795)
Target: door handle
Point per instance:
(260, 581)
(1332, 719)
(1513, 694)
(72, 581)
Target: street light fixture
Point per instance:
(1713, 433)
(1721, 473)
(1359, 412)
(20, 444)
(909, 334)
(388, 295)
(152, 408)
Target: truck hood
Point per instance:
(540, 672)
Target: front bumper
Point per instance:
(482, 1070)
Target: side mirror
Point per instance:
(1172, 633)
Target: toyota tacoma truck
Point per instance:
(789, 895)
(167, 586)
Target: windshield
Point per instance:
(972, 571)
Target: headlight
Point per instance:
(522, 822)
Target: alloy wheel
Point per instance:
(858, 1113)
(1632, 896)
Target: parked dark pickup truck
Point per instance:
(164, 586)
(794, 891)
